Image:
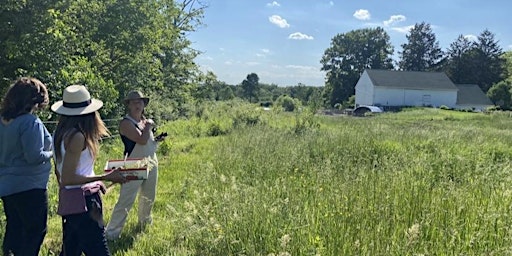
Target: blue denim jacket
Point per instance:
(25, 153)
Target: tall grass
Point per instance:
(419, 182)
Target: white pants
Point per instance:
(126, 199)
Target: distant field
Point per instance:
(235, 180)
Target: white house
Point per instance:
(415, 88)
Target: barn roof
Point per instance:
(471, 94)
(410, 79)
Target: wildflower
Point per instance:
(413, 233)
(285, 240)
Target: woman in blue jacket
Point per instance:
(25, 153)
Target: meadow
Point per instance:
(237, 180)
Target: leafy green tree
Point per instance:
(422, 51)
(26, 45)
(348, 56)
(206, 90)
(508, 65)
(213, 89)
(500, 94)
(288, 103)
(114, 46)
(250, 87)
(224, 92)
(270, 92)
(302, 92)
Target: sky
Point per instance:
(283, 41)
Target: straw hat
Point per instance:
(135, 95)
(76, 101)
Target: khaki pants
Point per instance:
(126, 199)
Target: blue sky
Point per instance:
(283, 41)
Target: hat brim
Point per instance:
(58, 108)
(145, 99)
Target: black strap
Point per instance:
(129, 145)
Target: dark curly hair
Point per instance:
(21, 98)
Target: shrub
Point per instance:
(287, 103)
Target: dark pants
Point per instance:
(85, 232)
(26, 213)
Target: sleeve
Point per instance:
(35, 142)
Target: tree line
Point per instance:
(113, 46)
(482, 62)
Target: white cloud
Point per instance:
(303, 68)
(362, 14)
(331, 3)
(252, 63)
(403, 30)
(273, 4)
(510, 46)
(394, 19)
(277, 20)
(293, 74)
(471, 37)
(263, 53)
(228, 62)
(300, 36)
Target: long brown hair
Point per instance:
(90, 125)
(22, 96)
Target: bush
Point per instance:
(288, 103)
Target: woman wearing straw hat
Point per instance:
(76, 143)
(25, 155)
(139, 142)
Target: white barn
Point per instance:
(470, 96)
(415, 88)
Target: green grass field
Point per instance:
(418, 182)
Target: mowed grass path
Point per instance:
(419, 182)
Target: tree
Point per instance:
(481, 62)
(26, 47)
(250, 87)
(457, 65)
(508, 65)
(348, 56)
(500, 94)
(111, 46)
(422, 51)
(288, 103)
(488, 61)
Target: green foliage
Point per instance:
(481, 62)
(304, 122)
(111, 46)
(287, 103)
(458, 64)
(508, 63)
(348, 56)
(500, 94)
(250, 87)
(422, 51)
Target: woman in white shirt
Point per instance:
(76, 144)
